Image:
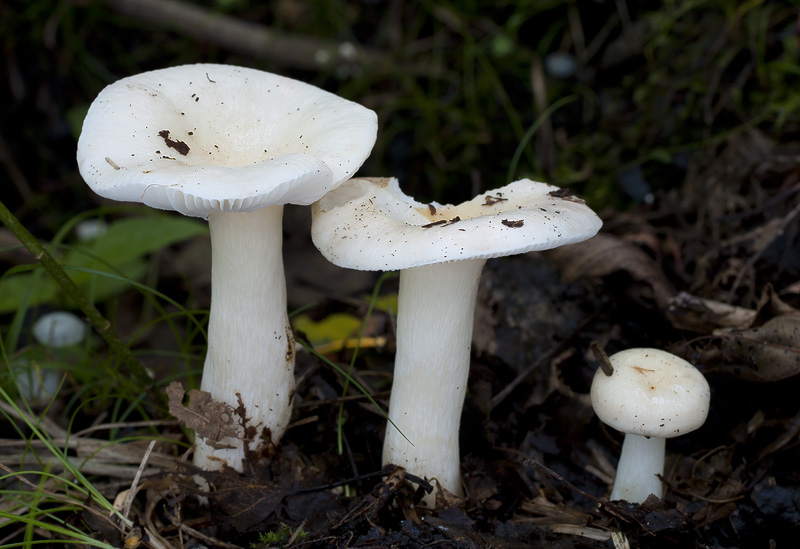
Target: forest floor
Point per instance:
(681, 129)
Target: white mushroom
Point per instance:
(369, 224)
(232, 145)
(90, 229)
(651, 395)
(59, 329)
(55, 330)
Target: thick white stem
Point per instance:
(436, 306)
(641, 460)
(250, 343)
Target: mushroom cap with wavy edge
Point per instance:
(370, 224)
(652, 393)
(208, 138)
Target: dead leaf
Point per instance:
(547, 513)
(606, 254)
(770, 352)
(208, 418)
(771, 305)
(705, 316)
(104, 527)
(445, 499)
(244, 503)
(697, 314)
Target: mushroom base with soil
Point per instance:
(436, 306)
(250, 342)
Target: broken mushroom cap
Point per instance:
(370, 224)
(651, 393)
(208, 138)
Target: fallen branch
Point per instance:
(250, 39)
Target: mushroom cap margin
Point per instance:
(370, 224)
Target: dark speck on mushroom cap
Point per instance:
(651, 393)
(370, 224)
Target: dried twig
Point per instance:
(247, 38)
(126, 505)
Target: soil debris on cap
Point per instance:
(182, 148)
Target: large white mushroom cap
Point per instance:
(370, 224)
(208, 138)
(651, 393)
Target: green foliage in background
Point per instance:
(122, 251)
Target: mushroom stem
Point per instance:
(642, 459)
(436, 306)
(250, 343)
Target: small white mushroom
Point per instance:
(36, 385)
(90, 229)
(651, 395)
(56, 330)
(369, 224)
(59, 329)
(231, 145)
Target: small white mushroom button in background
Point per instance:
(59, 329)
(55, 330)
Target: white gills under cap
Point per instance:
(206, 138)
(651, 393)
(370, 224)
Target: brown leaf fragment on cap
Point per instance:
(180, 146)
(435, 223)
(207, 417)
(432, 209)
(441, 222)
(566, 194)
(515, 224)
(490, 200)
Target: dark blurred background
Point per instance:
(606, 96)
(626, 103)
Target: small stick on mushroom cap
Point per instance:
(602, 358)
